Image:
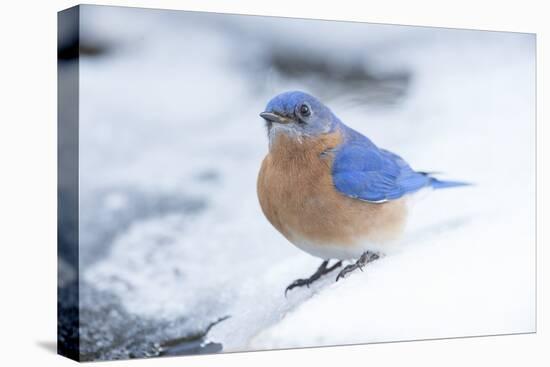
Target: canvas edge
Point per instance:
(68, 313)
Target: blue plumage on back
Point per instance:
(362, 170)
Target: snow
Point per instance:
(172, 112)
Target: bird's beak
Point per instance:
(273, 117)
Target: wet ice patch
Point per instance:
(106, 213)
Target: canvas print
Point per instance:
(233, 183)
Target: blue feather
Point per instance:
(362, 170)
(439, 184)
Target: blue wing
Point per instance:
(363, 171)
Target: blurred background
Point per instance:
(175, 255)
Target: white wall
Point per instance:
(28, 186)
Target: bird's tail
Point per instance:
(441, 184)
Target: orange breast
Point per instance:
(298, 197)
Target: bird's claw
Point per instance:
(298, 283)
(366, 258)
(348, 269)
(323, 269)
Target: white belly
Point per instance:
(327, 251)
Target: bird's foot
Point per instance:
(322, 270)
(366, 258)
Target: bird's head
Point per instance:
(297, 114)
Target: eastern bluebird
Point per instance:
(329, 189)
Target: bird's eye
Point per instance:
(304, 110)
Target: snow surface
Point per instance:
(171, 111)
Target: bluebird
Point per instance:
(330, 190)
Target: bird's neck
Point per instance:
(284, 148)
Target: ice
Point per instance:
(171, 144)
